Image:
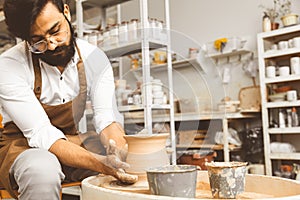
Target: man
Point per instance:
(44, 83)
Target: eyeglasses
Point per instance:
(41, 46)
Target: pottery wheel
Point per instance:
(140, 186)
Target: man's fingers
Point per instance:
(126, 178)
(116, 163)
(112, 147)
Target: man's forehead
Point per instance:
(48, 17)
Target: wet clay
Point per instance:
(126, 178)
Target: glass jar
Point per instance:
(137, 100)
(193, 52)
(132, 30)
(158, 30)
(106, 37)
(100, 38)
(93, 38)
(152, 27)
(130, 99)
(114, 35)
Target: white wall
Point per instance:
(195, 22)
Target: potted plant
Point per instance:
(285, 13)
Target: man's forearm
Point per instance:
(115, 132)
(73, 155)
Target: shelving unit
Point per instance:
(103, 4)
(144, 44)
(280, 58)
(185, 117)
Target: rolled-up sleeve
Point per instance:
(103, 94)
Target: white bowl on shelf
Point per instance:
(277, 97)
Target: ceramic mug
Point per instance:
(296, 42)
(256, 169)
(274, 47)
(291, 95)
(284, 71)
(270, 71)
(282, 45)
(291, 43)
(295, 65)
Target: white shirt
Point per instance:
(20, 104)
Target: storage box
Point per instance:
(233, 44)
(191, 137)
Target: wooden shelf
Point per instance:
(280, 34)
(237, 52)
(139, 117)
(285, 156)
(283, 104)
(281, 79)
(103, 3)
(141, 107)
(289, 130)
(209, 146)
(279, 53)
(120, 50)
(175, 65)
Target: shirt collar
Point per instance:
(76, 57)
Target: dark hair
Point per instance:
(20, 15)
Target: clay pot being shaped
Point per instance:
(146, 151)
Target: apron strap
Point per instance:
(37, 77)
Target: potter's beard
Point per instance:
(60, 56)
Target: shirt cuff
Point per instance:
(104, 119)
(45, 137)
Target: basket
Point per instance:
(289, 20)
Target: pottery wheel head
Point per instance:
(140, 186)
(116, 183)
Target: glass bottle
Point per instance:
(295, 119)
(281, 118)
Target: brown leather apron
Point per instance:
(65, 117)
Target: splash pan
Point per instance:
(256, 187)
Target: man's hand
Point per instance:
(115, 155)
(112, 149)
(115, 167)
